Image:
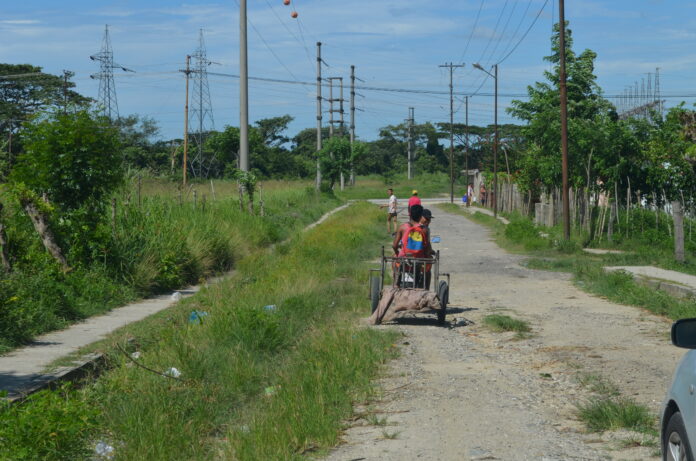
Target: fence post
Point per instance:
(678, 216)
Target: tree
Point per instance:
(25, 90)
(75, 160)
(589, 117)
(335, 157)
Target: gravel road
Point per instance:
(462, 392)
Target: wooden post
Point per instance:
(140, 186)
(38, 219)
(262, 210)
(4, 259)
(678, 216)
(212, 190)
(241, 196)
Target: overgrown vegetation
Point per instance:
(269, 373)
(155, 246)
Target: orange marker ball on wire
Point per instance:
(293, 14)
(286, 2)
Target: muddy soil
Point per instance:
(463, 392)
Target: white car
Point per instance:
(678, 415)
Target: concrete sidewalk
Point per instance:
(675, 283)
(24, 370)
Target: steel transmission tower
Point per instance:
(107, 89)
(201, 111)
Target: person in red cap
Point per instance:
(414, 200)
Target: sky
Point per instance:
(392, 44)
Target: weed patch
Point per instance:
(610, 414)
(498, 322)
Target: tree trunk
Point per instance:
(678, 215)
(38, 219)
(4, 259)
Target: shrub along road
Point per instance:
(469, 392)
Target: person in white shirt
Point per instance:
(391, 212)
(469, 194)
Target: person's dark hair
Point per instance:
(416, 212)
(390, 190)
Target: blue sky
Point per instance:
(394, 44)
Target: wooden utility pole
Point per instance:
(410, 121)
(186, 111)
(466, 145)
(564, 119)
(451, 67)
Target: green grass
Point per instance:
(611, 414)
(428, 186)
(500, 323)
(608, 410)
(309, 351)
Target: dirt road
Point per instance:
(465, 393)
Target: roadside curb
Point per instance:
(670, 287)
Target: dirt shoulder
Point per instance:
(464, 392)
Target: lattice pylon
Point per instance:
(200, 111)
(107, 88)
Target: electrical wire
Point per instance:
(525, 33)
(466, 47)
(302, 43)
(268, 46)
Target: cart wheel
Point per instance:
(443, 295)
(374, 292)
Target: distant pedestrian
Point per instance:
(482, 194)
(414, 200)
(469, 194)
(391, 212)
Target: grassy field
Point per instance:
(154, 244)
(269, 373)
(428, 186)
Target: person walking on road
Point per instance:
(391, 212)
(414, 200)
(482, 194)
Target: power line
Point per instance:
(472, 30)
(525, 33)
(268, 46)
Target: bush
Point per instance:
(523, 231)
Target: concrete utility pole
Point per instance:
(243, 89)
(451, 67)
(352, 123)
(340, 102)
(564, 120)
(186, 112)
(410, 121)
(318, 185)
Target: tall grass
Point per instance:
(256, 382)
(157, 245)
